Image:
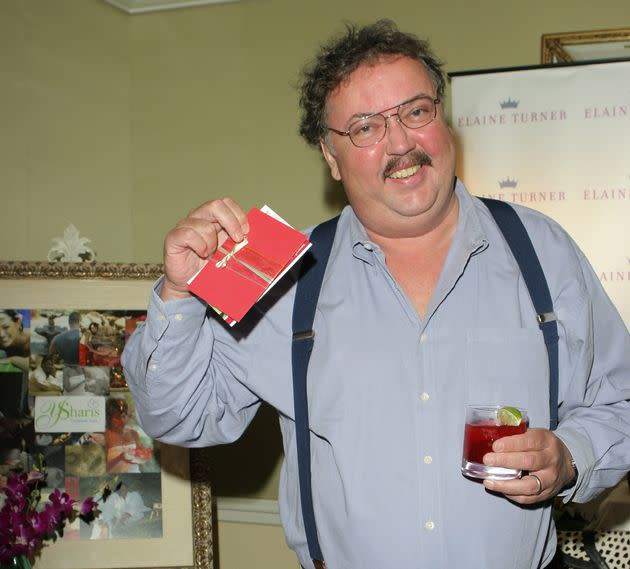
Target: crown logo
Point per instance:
(509, 104)
(508, 183)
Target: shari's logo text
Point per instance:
(69, 414)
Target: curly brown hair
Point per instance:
(337, 60)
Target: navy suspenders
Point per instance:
(517, 238)
(305, 304)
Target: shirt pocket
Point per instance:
(509, 366)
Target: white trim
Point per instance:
(142, 6)
(248, 511)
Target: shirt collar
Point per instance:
(470, 235)
(362, 247)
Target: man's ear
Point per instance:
(330, 159)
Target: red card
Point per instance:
(239, 274)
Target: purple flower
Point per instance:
(52, 518)
(17, 487)
(35, 476)
(38, 521)
(62, 502)
(88, 506)
(88, 510)
(25, 524)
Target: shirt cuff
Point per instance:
(161, 314)
(582, 453)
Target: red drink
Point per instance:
(478, 437)
(484, 425)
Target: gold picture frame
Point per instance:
(186, 491)
(569, 47)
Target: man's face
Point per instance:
(9, 331)
(388, 204)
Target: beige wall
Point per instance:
(120, 124)
(250, 546)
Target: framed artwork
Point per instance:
(568, 47)
(62, 329)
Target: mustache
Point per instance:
(414, 158)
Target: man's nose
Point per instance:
(397, 135)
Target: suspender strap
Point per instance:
(306, 296)
(517, 238)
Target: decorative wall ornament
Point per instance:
(71, 247)
(63, 270)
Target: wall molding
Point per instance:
(143, 6)
(248, 511)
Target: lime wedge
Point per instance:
(509, 416)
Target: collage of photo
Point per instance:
(64, 354)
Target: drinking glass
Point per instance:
(484, 425)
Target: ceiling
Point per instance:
(144, 6)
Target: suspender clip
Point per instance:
(304, 335)
(546, 317)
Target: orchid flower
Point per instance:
(25, 523)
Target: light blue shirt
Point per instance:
(387, 392)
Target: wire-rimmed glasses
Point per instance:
(370, 129)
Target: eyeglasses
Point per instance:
(371, 129)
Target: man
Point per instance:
(66, 344)
(422, 311)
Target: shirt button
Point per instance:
(179, 317)
(162, 317)
(423, 338)
(367, 246)
(428, 459)
(429, 525)
(424, 396)
(153, 367)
